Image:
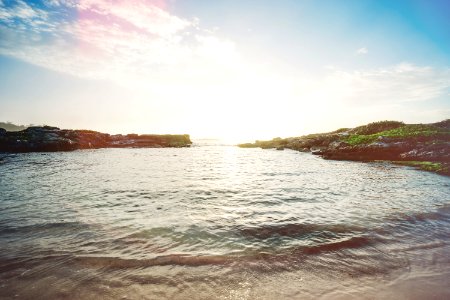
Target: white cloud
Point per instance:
(188, 76)
(140, 14)
(362, 51)
(397, 84)
(118, 40)
(21, 11)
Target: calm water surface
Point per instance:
(219, 222)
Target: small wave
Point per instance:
(148, 233)
(441, 214)
(352, 243)
(294, 230)
(173, 259)
(41, 227)
(287, 255)
(424, 246)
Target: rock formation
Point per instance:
(425, 146)
(49, 139)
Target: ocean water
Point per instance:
(219, 222)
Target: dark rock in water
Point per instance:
(46, 138)
(419, 148)
(248, 145)
(41, 128)
(280, 148)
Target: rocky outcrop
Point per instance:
(49, 139)
(423, 145)
(434, 148)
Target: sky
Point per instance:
(237, 70)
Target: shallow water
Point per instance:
(219, 222)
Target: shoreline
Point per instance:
(422, 146)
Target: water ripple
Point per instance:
(173, 219)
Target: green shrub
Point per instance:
(400, 132)
(376, 127)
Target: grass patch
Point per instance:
(401, 132)
(414, 130)
(376, 127)
(357, 139)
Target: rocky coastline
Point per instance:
(423, 146)
(51, 139)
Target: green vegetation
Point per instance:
(415, 130)
(405, 131)
(341, 130)
(423, 165)
(357, 139)
(375, 127)
(423, 146)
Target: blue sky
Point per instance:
(395, 30)
(232, 69)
